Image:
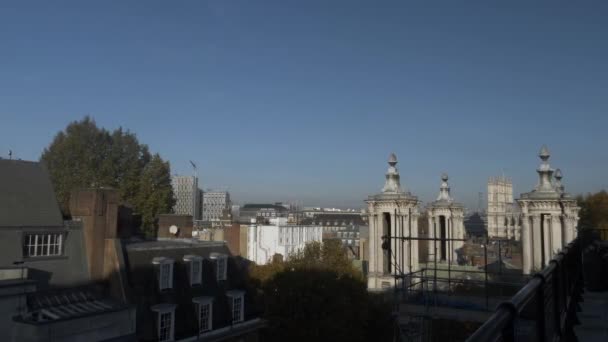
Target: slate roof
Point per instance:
(27, 197)
(144, 293)
(342, 219)
(253, 206)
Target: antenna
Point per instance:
(10, 154)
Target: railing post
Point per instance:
(557, 284)
(540, 308)
(508, 333)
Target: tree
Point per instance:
(315, 304)
(85, 155)
(73, 159)
(317, 295)
(155, 193)
(594, 210)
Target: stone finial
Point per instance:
(544, 153)
(392, 159)
(392, 184)
(545, 172)
(558, 181)
(558, 174)
(444, 190)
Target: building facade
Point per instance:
(393, 215)
(187, 196)
(50, 269)
(262, 212)
(216, 205)
(279, 237)
(549, 217)
(445, 223)
(343, 226)
(503, 213)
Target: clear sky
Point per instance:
(285, 100)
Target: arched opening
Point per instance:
(443, 252)
(386, 236)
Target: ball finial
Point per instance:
(444, 177)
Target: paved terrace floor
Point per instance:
(593, 317)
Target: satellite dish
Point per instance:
(173, 229)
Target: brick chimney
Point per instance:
(97, 209)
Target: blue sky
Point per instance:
(304, 100)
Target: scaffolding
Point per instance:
(453, 284)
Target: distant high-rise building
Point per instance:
(215, 205)
(187, 197)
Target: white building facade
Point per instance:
(187, 196)
(393, 215)
(279, 237)
(549, 217)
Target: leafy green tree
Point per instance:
(85, 155)
(314, 304)
(73, 159)
(155, 194)
(317, 295)
(594, 210)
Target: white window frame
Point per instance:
(201, 303)
(195, 265)
(237, 295)
(161, 310)
(221, 273)
(45, 244)
(165, 268)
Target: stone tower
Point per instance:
(549, 217)
(446, 219)
(502, 214)
(393, 214)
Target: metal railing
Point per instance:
(545, 308)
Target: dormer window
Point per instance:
(221, 265)
(165, 272)
(237, 305)
(204, 309)
(165, 322)
(195, 268)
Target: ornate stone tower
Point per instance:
(502, 214)
(549, 217)
(446, 219)
(392, 214)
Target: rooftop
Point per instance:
(170, 244)
(28, 198)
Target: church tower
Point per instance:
(549, 217)
(446, 219)
(393, 214)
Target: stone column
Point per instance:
(393, 233)
(431, 235)
(527, 242)
(548, 239)
(414, 245)
(373, 241)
